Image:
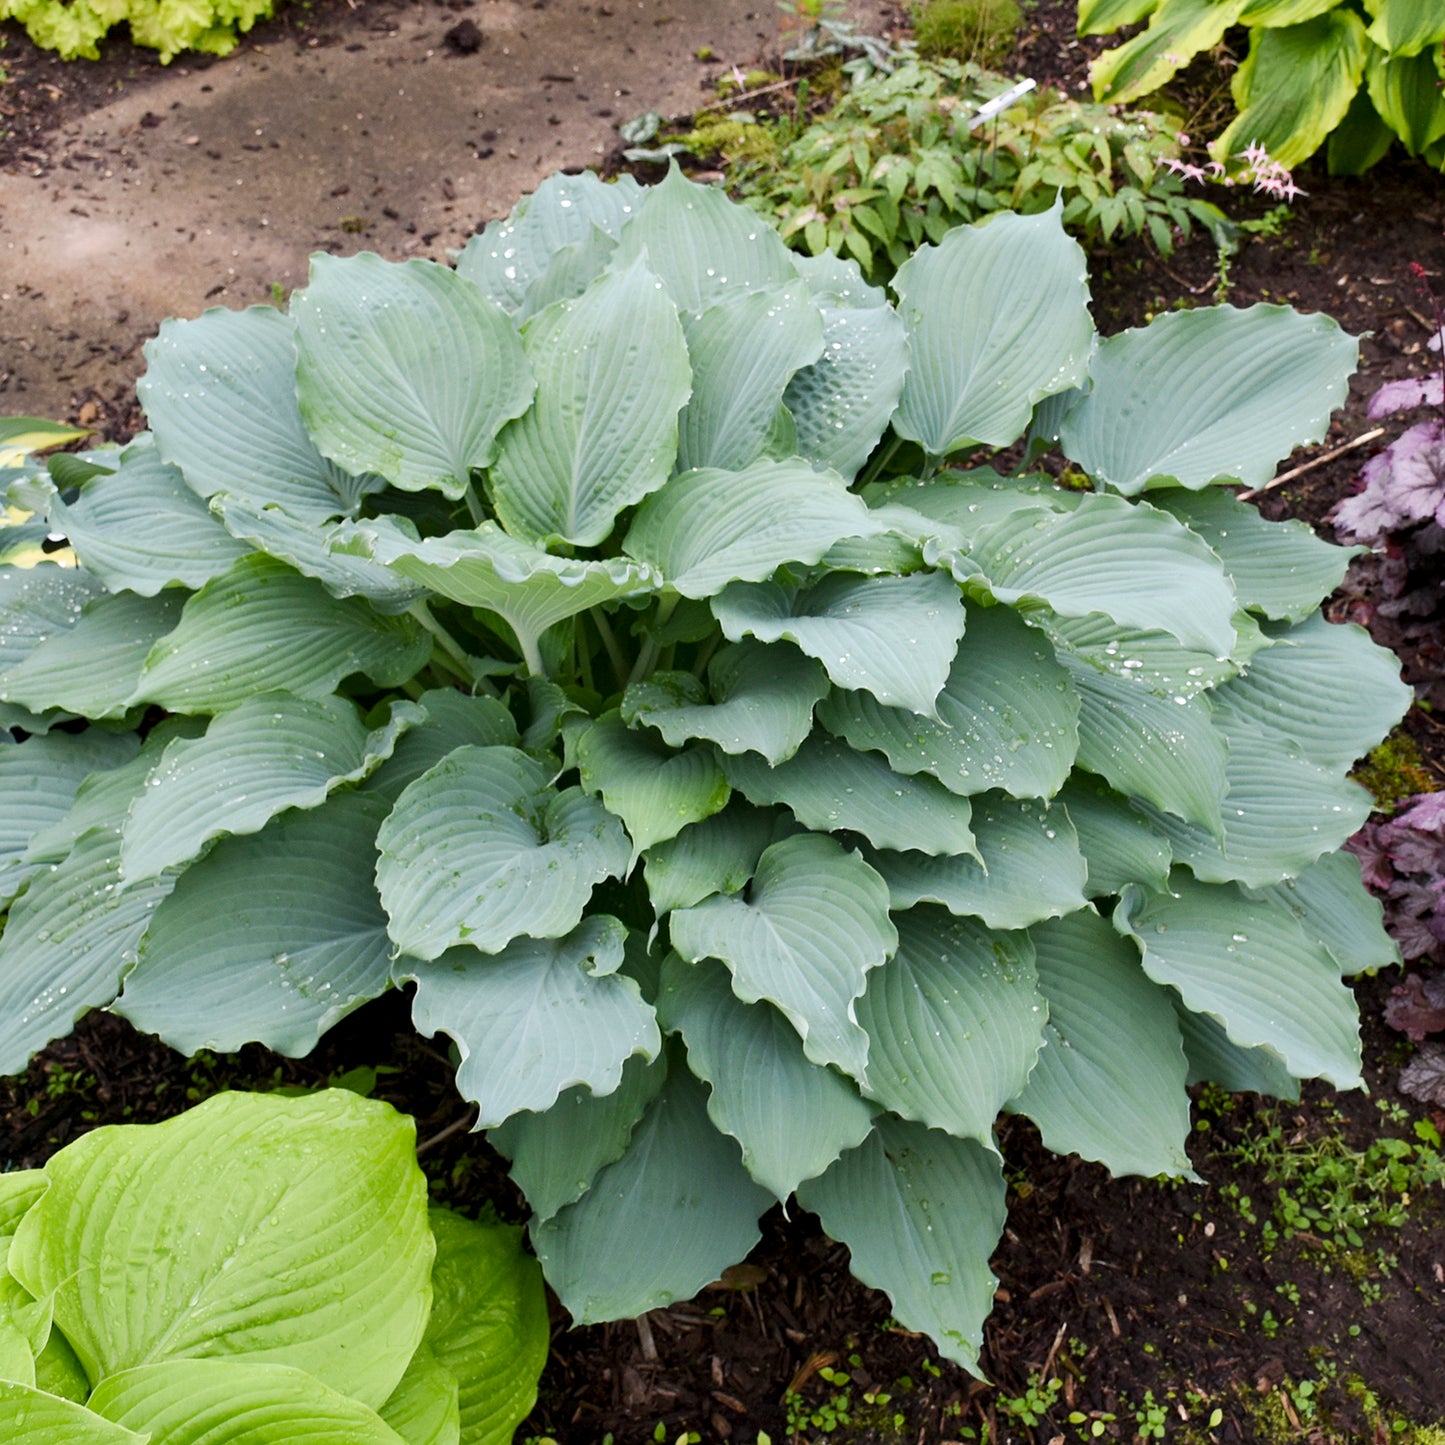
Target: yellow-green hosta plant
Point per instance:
(259, 1269)
(1358, 73)
(598, 640)
(75, 28)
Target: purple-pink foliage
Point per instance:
(1403, 861)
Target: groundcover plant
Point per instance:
(595, 638)
(258, 1269)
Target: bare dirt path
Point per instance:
(211, 183)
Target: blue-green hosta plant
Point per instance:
(258, 1271)
(597, 639)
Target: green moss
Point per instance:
(983, 31)
(732, 139)
(1395, 770)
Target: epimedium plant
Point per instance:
(1358, 74)
(605, 639)
(259, 1268)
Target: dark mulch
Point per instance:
(1133, 1294)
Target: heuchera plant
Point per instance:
(259, 1268)
(597, 639)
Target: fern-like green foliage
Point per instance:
(898, 162)
(1358, 74)
(258, 1268)
(622, 642)
(75, 28)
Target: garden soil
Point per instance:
(129, 192)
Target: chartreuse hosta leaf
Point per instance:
(1006, 717)
(1031, 868)
(274, 936)
(263, 627)
(405, 369)
(220, 395)
(954, 1022)
(1178, 30)
(1405, 90)
(920, 1213)
(1103, 17)
(1253, 968)
(998, 318)
(321, 1192)
(423, 1407)
(1405, 27)
(791, 1117)
(744, 351)
(536, 1018)
(142, 528)
(274, 751)
(512, 255)
(815, 921)
(1129, 1111)
(708, 528)
(893, 637)
(681, 1181)
(655, 791)
(34, 1417)
(481, 849)
(757, 699)
(612, 373)
(1201, 396)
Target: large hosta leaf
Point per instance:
(273, 752)
(1151, 747)
(488, 1324)
(142, 528)
(842, 403)
(34, 1417)
(682, 1186)
(815, 921)
(758, 699)
(893, 637)
(405, 369)
(1103, 17)
(1118, 845)
(655, 791)
(274, 937)
(536, 1018)
(320, 1192)
(263, 627)
(744, 351)
(236, 1402)
(481, 850)
(1092, 1094)
(512, 255)
(1177, 32)
(38, 782)
(612, 373)
(998, 318)
(1032, 868)
(954, 1022)
(526, 587)
(1006, 718)
(556, 1155)
(1405, 27)
(708, 528)
(921, 1213)
(718, 855)
(830, 786)
(1199, 396)
(1135, 565)
(1324, 688)
(1333, 906)
(1214, 1060)
(1280, 569)
(702, 246)
(1253, 968)
(791, 1117)
(67, 941)
(453, 719)
(36, 604)
(92, 668)
(1405, 91)
(1295, 86)
(423, 1407)
(220, 395)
